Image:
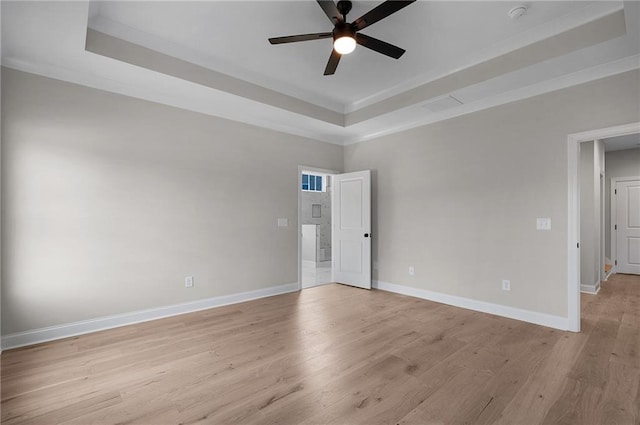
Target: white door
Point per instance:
(351, 234)
(628, 226)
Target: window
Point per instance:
(313, 183)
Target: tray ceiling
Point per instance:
(213, 57)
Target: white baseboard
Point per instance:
(36, 336)
(556, 322)
(590, 289)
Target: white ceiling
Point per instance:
(620, 143)
(441, 38)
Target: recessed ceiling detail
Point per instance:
(169, 52)
(116, 48)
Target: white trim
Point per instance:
(590, 289)
(603, 233)
(540, 32)
(50, 333)
(326, 173)
(164, 46)
(573, 236)
(194, 97)
(573, 212)
(554, 84)
(316, 174)
(613, 239)
(557, 322)
(532, 35)
(180, 94)
(614, 220)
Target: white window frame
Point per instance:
(314, 174)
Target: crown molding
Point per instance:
(533, 35)
(306, 127)
(584, 76)
(117, 30)
(188, 96)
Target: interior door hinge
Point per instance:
(615, 227)
(615, 191)
(578, 244)
(616, 262)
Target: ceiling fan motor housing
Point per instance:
(343, 30)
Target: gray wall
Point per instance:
(624, 163)
(587, 213)
(110, 201)
(459, 199)
(591, 237)
(0, 192)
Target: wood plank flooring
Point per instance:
(338, 355)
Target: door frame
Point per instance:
(573, 212)
(302, 168)
(602, 274)
(614, 216)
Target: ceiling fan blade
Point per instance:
(333, 63)
(380, 12)
(331, 10)
(300, 37)
(379, 46)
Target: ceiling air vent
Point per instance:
(441, 103)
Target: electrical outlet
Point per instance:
(412, 271)
(506, 285)
(188, 282)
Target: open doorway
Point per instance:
(625, 236)
(609, 209)
(334, 227)
(575, 244)
(314, 226)
(622, 209)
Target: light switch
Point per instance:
(188, 282)
(543, 224)
(283, 222)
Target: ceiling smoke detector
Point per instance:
(517, 12)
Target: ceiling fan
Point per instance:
(346, 35)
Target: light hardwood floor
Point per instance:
(335, 354)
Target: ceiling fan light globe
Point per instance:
(344, 45)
